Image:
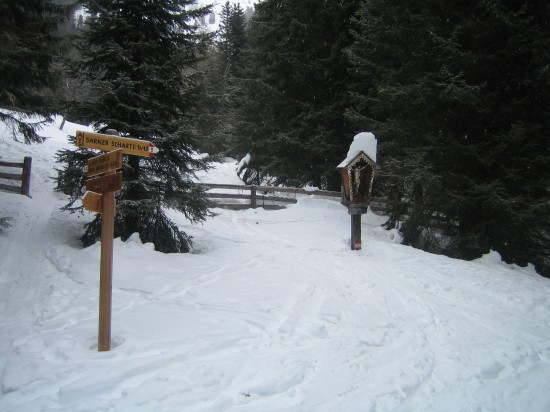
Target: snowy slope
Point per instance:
(272, 312)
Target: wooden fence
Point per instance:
(259, 196)
(264, 196)
(24, 177)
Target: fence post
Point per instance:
(253, 196)
(26, 176)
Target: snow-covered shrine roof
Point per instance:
(363, 145)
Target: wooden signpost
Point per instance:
(108, 143)
(100, 198)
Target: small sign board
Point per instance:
(105, 184)
(92, 202)
(108, 143)
(103, 163)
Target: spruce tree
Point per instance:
(28, 45)
(139, 63)
(222, 72)
(458, 96)
(232, 39)
(294, 95)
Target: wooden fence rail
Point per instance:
(24, 177)
(259, 196)
(377, 205)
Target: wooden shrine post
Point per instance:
(357, 176)
(356, 232)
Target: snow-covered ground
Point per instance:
(271, 312)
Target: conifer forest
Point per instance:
(456, 92)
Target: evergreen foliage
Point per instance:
(294, 95)
(222, 72)
(232, 39)
(27, 49)
(458, 94)
(70, 87)
(138, 60)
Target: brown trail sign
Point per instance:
(104, 163)
(93, 202)
(105, 184)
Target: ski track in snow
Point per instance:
(271, 312)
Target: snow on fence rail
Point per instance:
(24, 177)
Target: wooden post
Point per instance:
(106, 272)
(356, 232)
(106, 269)
(253, 196)
(26, 176)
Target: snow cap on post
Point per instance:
(363, 142)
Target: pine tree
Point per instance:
(458, 95)
(222, 72)
(139, 61)
(232, 39)
(294, 95)
(28, 46)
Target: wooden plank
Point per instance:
(10, 164)
(10, 176)
(238, 196)
(271, 189)
(299, 191)
(243, 206)
(223, 186)
(9, 188)
(227, 196)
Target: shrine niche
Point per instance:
(357, 172)
(358, 177)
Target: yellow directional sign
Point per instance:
(104, 163)
(109, 143)
(93, 202)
